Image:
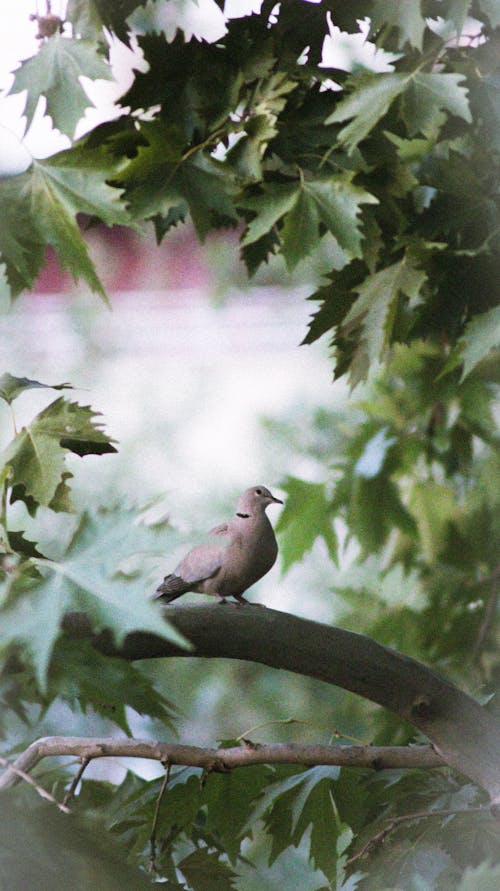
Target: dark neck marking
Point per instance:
(243, 516)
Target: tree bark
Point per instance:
(462, 732)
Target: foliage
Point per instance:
(398, 167)
(89, 570)
(397, 171)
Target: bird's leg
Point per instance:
(241, 600)
(220, 598)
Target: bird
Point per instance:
(237, 554)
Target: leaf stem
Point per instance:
(394, 822)
(152, 839)
(13, 416)
(334, 734)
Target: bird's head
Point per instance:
(256, 499)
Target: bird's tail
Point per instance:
(171, 588)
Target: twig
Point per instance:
(374, 757)
(29, 779)
(394, 822)
(489, 615)
(76, 779)
(152, 838)
(334, 734)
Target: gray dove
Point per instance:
(237, 555)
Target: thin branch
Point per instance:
(374, 757)
(334, 734)
(152, 839)
(22, 775)
(84, 762)
(394, 822)
(489, 616)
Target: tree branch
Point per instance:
(375, 757)
(464, 733)
(17, 774)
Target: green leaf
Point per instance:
(207, 193)
(335, 298)
(11, 387)
(228, 798)
(86, 18)
(291, 805)
(433, 507)
(423, 95)
(76, 427)
(428, 93)
(82, 676)
(300, 231)
(405, 15)
(89, 16)
(481, 335)
(331, 200)
(41, 208)
(37, 453)
(135, 802)
(245, 156)
(269, 207)
(374, 510)
(204, 871)
(55, 73)
(314, 805)
(22, 246)
(161, 177)
(77, 181)
(88, 579)
(36, 460)
(372, 96)
(338, 203)
(307, 516)
(375, 309)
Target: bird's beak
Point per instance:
(276, 500)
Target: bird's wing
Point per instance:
(202, 562)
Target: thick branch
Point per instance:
(375, 757)
(464, 733)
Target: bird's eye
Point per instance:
(258, 491)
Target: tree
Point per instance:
(395, 171)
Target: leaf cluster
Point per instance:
(97, 569)
(409, 487)
(396, 168)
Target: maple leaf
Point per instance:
(377, 303)
(55, 73)
(307, 516)
(372, 96)
(330, 201)
(87, 578)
